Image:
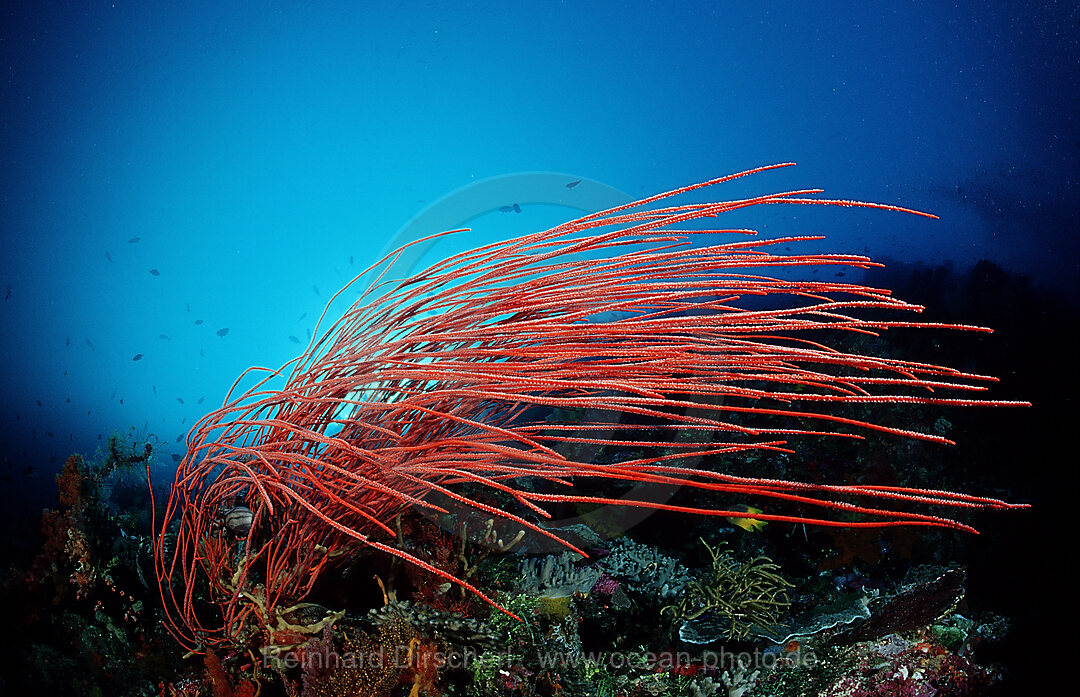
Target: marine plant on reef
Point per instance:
(435, 381)
(744, 596)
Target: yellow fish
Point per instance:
(747, 524)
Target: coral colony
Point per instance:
(435, 393)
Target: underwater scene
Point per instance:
(537, 349)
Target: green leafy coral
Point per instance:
(747, 595)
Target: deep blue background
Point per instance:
(254, 148)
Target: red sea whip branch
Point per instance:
(432, 381)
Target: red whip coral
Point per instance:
(434, 381)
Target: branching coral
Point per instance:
(437, 380)
(743, 595)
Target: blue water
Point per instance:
(262, 153)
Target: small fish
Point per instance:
(8, 293)
(39, 402)
(293, 339)
(176, 458)
(517, 208)
(180, 399)
(90, 344)
(137, 357)
(187, 307)
(223, 331)
(198, 321)
(121, 400)
(69, 400)
(67, 342)
(572, 184)
(840, 274)
(350, 261)
(180, 438)
(108, 256)
(202, 353)
(49, 434)
(155, 272)
(506, 209)
(302, 317)
(134, 240)
(155, 388)
(239, 519)
(164, 336)
(747, 524)
(316, 289)
(201, 400)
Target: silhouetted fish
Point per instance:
(293, 339)
(180, 399)
(572, 184)
(201, 400)
(155, 272)
(164, 336)
(840, 274)
(187, 307)
(39, 402)
(133, 240)
(202, 353)
(223, 331)
(175, 457)
(350, 261)
(108, 256)
(90, 343)
(198, 321)
(316, 289)
(136, 357)
(517, 208)
(506, 209)
(67, 341)
(69, 400)
(155, 388)
(8, 293)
